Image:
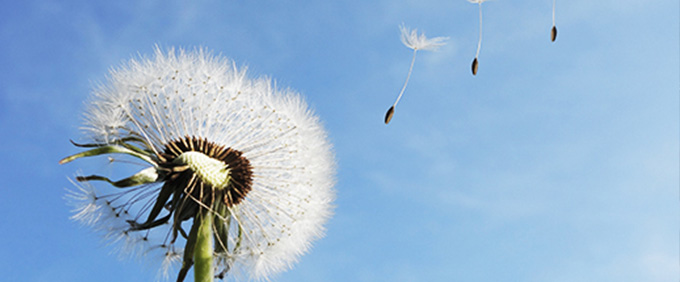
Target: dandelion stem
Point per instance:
(203, 252)
(408, 76)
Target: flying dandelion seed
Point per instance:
(240, 180)
(475, 62)
(553, 31)
(412, 40)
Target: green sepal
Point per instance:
(122, 142)
(116, 142)
(112, 149)
(222, 222)
(239, 239)
(145, 176)
(151, 221)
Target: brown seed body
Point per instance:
(389, 114)
(553, 33)
(475, 65)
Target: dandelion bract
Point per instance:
(247, 156)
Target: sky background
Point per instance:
(557, 162)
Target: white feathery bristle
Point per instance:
(415, 41)
(86, 209)
(171, 260)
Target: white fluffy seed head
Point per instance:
(182, 93)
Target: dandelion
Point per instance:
(239, 178)
(475, 62)
(553, 31)
(414, 41)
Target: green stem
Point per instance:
(203, 252)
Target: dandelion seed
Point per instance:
(248, 164)
(412, 40)
(475, 62)
(553, 31)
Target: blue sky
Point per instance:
(557, 162)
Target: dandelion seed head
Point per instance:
(203, 123)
